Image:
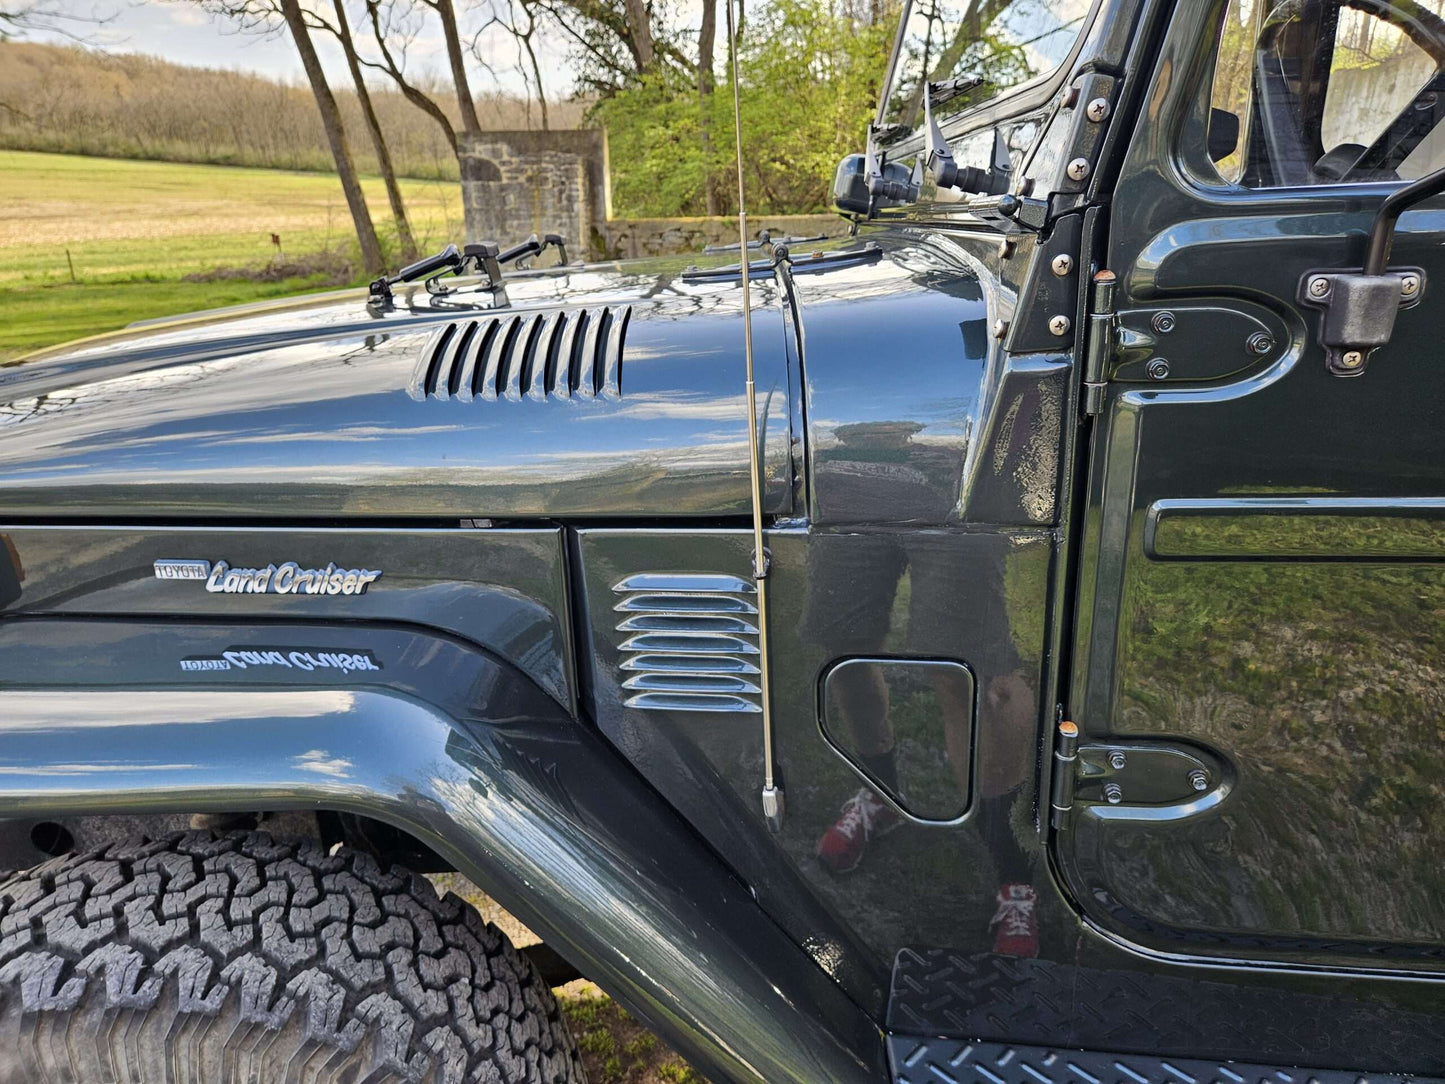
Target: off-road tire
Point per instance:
(204, 959)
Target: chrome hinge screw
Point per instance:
(1117, 761)
(1000, 329)
(1062, 264)
(1352, 359)
(1198, 780)
(1409, 285)
(1163, 322)
(1097, 110)
(1113, 793)
(1078, 169)
(1060, 324)
(1006, 248)
(1319, 286)
(1158, 369)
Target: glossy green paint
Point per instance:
(1262, 566)
(1234, 570)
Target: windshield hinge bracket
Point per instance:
(1099, 340)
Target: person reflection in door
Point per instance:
(853, 592)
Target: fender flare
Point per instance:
(538, 809)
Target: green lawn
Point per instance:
(135, 229)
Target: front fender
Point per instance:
(525, 800)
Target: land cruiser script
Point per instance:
(285, 579)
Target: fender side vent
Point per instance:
(571, 354)
(690, 642)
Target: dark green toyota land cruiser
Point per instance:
(1006, 645)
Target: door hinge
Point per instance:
(1099, 340)
(1136, 779)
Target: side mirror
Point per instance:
(1223, 134)
(858, 190)
(850, 185)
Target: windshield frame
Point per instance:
(990, 108)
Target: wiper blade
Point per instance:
(948, 89)
(884, 134)
(482, 257)
(764, 240)
(448, 259)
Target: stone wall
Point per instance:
(519, 183)
(628, 238)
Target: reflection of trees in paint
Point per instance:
(1320, 681)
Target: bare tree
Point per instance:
(258, 16)
(523, 35)
(705, 41)
(371, 256)
(390, 34)
(448, 16)
(342, 31)
(391, 44)
(19, 17)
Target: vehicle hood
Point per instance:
(437, 406)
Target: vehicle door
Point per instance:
(1261, 609)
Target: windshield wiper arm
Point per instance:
(948, 89)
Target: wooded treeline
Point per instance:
(77, 101)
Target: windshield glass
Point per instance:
(1005, 42)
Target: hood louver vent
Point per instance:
(562, 355)
(691, 642)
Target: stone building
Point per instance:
(519, 183)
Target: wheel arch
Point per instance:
(523, 799)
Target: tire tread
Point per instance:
(237, 957)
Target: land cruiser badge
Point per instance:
(285, 579)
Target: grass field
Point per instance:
(134, 230)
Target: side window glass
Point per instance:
(1310, 92)
(1004, 42)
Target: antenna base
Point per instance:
(774, 807)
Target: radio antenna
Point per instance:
(772, 792)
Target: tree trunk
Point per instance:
(537, 75)
(336, 136)
(411, 93)
(639, 23)
(470, 124)
(705, 41)
(378, 138)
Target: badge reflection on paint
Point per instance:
(285, 579)
(254, 658)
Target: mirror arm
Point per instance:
(1382, 234)
(1358, 308)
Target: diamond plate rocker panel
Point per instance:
(952, 1061)
(942, 992)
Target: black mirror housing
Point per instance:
(850, 185)
(853, 193)
(1223, 134)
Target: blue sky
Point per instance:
(183, 33)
